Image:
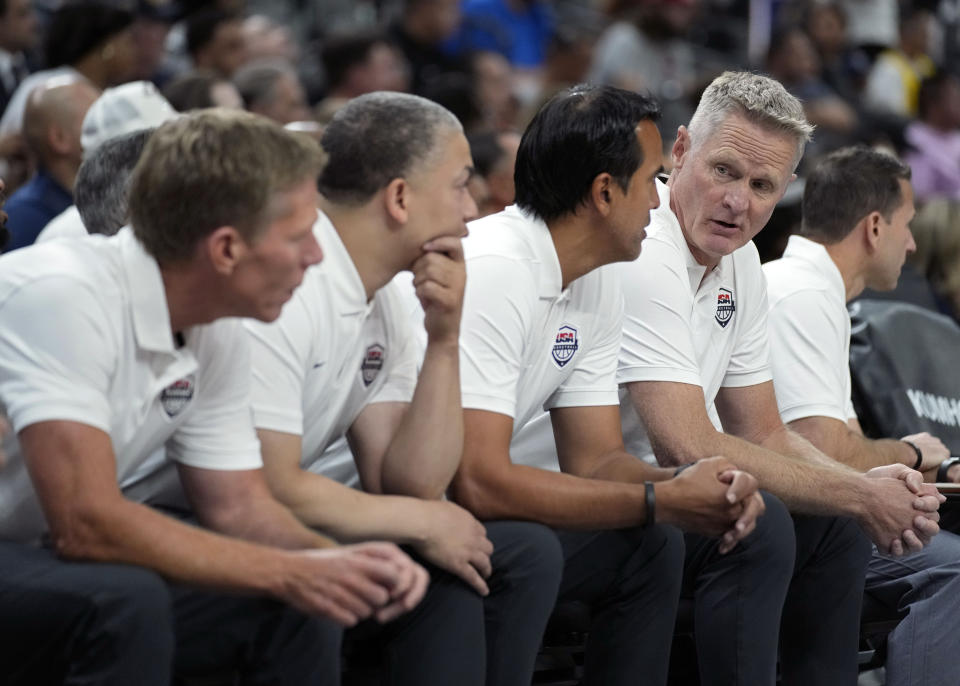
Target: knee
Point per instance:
(134, 609)
(773, 543)
(527, 553)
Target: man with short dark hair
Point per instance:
(18, 34)
(215, 42)
(541, 330)
(115, 348)
(857, 207)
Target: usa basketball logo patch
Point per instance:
(177, 396)
(372, 363)
(565, 345)
(725, 307)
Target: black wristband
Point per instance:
(651, 504)
(944, 468)
(917, 451)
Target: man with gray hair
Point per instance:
(341, 361)
(100, 191)
(272, 88)
(695, 381)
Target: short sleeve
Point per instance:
(219, 432)
(493, 334)
(56, 361)
(280, 357)
(808, 358)
(750, 359)
(657, 340)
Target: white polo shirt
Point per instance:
(686, 325)
(526, 345)
(86, 338)
(809, 333)
(67, 224)
(329, 355)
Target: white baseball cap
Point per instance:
(124, 109)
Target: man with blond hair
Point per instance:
(124, 374)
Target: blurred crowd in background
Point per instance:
(871, 71)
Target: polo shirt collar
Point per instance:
(695, 270)
(338, 266)
(550, 279)
(816, 255)
(148, 299)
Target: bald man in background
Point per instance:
(52, 123)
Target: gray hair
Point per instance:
(256, 82)
(376, 138)
(760, 99)
(100, 191)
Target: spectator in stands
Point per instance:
(421, 32)
(793, 61)
(150, 30)
(53, 121)
(696, 381)
(936, 230)
(842, 67)
(494, 158)
(647, 48)
(857, 207)
(84, 39)
(273, 90)
(125, 109)
(360, 63)
(933, 140)
(198, 90)
(541, 329)
(568, 60)
(394, 179)
(104, 576)
(215, 42)
(18, 35)
(893, 84)
(267, 40)
(517, 29)
(493, 80)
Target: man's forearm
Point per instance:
(555, 499)
(425, 451)
(130, 533)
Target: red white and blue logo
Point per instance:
(372, 363)
(725, 307)
(565, 345)
(177, 396)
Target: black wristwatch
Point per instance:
(945, 467)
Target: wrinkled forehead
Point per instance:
(738, 140)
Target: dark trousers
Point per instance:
(631, 580)
(800, 578)
(94, 623)
(456, 638)
(820, 632)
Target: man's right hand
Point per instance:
(457, 542)
(900, 515)
(351, 583)
(713, 498)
